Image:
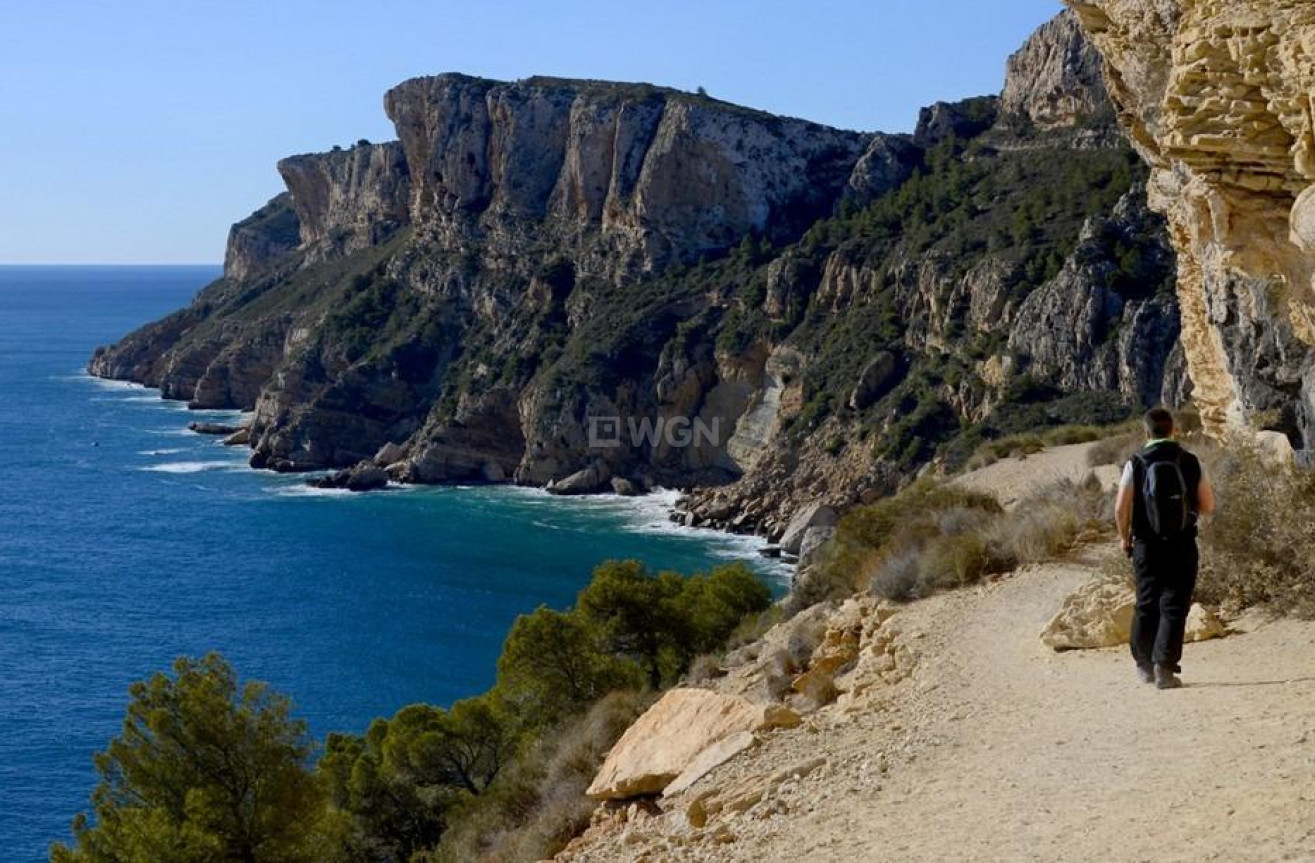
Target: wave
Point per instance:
(83, 376)
(194, 466)
(160, 451)
(303, 490)
(651, 514)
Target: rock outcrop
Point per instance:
(1099, 614)
(1056, 79)
(348, 200)
(635, 177)
(687, 727)
(262, 239)
(1215, 94)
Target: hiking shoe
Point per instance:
(1165, 679)
(1146, 674)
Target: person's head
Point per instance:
(1159, 423)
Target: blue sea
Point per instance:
(126, 541)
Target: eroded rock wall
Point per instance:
(1216, 94)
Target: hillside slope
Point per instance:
(959, 736)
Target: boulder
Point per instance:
(813, 515)
(1097, 614)
(673, 734)
(874, 381)
(710, 759)
(1203, 624)
(389, 454)
(241, 437)
(814, 539)
(1276, 448)
(367, 479)
(624, 487)
(364, 477)
(588, 481)
(214, 428)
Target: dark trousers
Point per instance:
(1166, 577)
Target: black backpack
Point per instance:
(1166, 500)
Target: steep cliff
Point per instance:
(1216, 96)
(795, 310)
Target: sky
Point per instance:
(137, 131)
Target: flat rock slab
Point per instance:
(673, 733)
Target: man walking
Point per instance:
(1163, 492)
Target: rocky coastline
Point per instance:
(847, 309)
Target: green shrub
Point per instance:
(556, 663)
(664, 620)
(502, 776)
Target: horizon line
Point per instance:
(111, 264)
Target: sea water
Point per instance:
(126, 541)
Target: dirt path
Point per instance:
(999, 749)
(1013, 479)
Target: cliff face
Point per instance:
(1216, 97)
(348, 200)
(630, 178)
(835, 309)
(1056, 79)
(261, 239)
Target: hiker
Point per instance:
(1163, 493)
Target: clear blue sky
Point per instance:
(139, 130)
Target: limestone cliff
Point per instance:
(348, 200)
(835, 308)
(1055, 79)
(1216, 96)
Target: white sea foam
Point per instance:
(83, 376)
(194, 466)
(154, 452)
(303, 490)
(651, 514)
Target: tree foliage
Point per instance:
(204, 770)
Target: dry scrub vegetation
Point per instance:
(1028, 443)
(539, 804)
(933, 537)
(1260, 547)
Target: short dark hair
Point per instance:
(1159, 422)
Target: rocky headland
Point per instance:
(836, 310)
